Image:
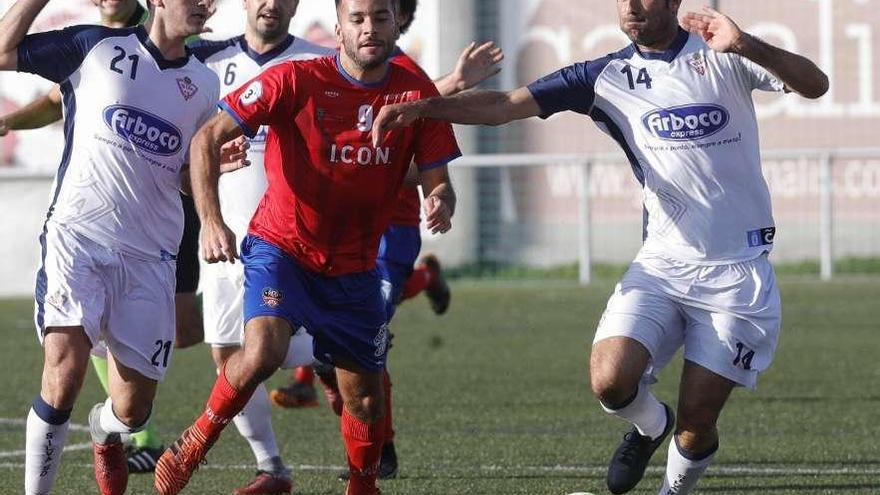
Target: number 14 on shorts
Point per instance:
(743, 357)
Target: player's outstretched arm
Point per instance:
(217, 240)
(471, 107)
(798, 73)
(36, 114)
(439, 204)
(13, 28)
(475, 65)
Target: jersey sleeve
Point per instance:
(268, 98)
(758, 77)
(435, 144)
(570, 88)
(55, 55)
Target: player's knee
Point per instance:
(611, 390)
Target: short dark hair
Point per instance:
(407, 8)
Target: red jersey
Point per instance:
(331, 193)
(408, 209)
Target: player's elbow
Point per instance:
(819, 87)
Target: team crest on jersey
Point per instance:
(272, 297)
(187, 88)
(697, 62)
(252, 93)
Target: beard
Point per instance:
(366, 62)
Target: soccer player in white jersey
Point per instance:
(680, 106)
(145, 446)
(132, 101)
(265, 42)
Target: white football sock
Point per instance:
(682, 473)
(254, 423)
(108, 424)
(645, 412)
(44, 442)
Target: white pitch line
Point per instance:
(23, 423)
(717, 470)
(713, 470)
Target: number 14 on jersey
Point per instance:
(641, 78)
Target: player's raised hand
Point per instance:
(718, 30)
(476, 64)
(394, 116)
(233, 155)
(438, 215)
(218, 243)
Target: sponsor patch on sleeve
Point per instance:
(252, 93)
(761, 237)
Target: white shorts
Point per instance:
(727, 317)
(126, 302)
(222, 287)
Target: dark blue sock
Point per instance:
(49, 414)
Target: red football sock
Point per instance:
(304, 374)
(223, 404)
(389, 424)
(363, 446)
(416, 283)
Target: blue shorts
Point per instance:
(345, 315)
(398, 250)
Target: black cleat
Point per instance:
(387, 464)
(143, 459)
(631, 458)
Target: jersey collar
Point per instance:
(671, 52)
(262, 58)
(160, 59)
(348, 77)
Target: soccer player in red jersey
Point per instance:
(400, 245)
(310, 255)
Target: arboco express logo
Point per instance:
(143, 130)
(687, 122)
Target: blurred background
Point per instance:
(557, 198)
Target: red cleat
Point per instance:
(438, 290)
(111, 467)
(180, 460)
(294, 396)
(351, 491)
(266, 484)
